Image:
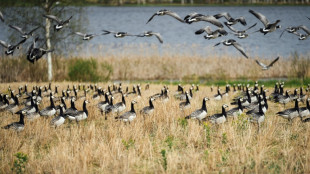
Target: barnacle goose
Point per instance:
(81, 115)
(50, 110)
(60, 119)
(235, 112)
(291, 113)
(130, 115)
(257, 117)
(18, 126)
(148, 109)
(219, 118)
(185, 105)
(201, 113)
(305, 111)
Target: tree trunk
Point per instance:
(48, 42)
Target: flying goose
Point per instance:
(269, 27)
(266, 67)
(60, 119)
(130, 115)
(150, 34)
(241, 34)
(118, 34)
(305, 111)
(34, 53)
(232, 42)
(185, 105)
(11, 48)
(235, 112)
(50, 110)
(211, 34)
(290, 30)
(303, 36)
(60, 23)
(80, 115)
(195, 17)
(86, 36)
(166, 12)
(230, 20)
(17, 126)
(1, 16)
(24, 34)
(219, 118)
(201, 113)
(291, 113)
(147, 110)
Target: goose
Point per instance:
(218, 96)
(232, 42)
(60, 119)
(269, 27)
(58, 108)
(185, 105)
(283, 99)
(11, 48)
(290, 30)
(1, 16)
(101, 105)
(119, 107)
(17, 126)
(5, 103)
(219, 118)
(72, 110)
(166, 12)
(295, 95)
(256, 108)
(302, 96)
(60, 23)
(235, 112)
(24, 34)
(305, 111)
(266, 67)
(165, 97)
(33, 115)
(257, 117)
(130, 115)
(150, 34)
(34, 53)
(13, 108)
(118, 34)
(86, 36)
(211, 34)
(230, 20)
(303, 36)
(50, 110)
(81, 115)
(28, 108)
(195, 17)
(108, 108)
(291, 113)
(201, 113)
(227, 89)
(241, 34)
(148, 110)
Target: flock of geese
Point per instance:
(252, 101)
(34, 53)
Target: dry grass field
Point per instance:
(162, 143)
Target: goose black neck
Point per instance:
(191, 92)
(308, 106)
(64, 103)
(224, 111)
(260, 108)
(296, 104)
(187, 99)
(301, 93)
(72, 104)
(39, 93)
(266, 104)
(132, 108)
(249, 97)
(36, 107)
(151, 103)
(218, 92)
(123, 99)
(16, 100)
(85, 108)
(240, 105)
(52, 102)
(204, 106)
(106, 97)
(21, 118)
(56, 90)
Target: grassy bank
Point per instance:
(162, 143)
(194, 69)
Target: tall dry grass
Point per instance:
(108, 146)
(156, 67)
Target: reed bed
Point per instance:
(161, 143)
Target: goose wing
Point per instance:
(1, 17)
(33, 30)
(4, 44)
(232, 29)
(17, 29)
(238, 47)
(108, 32)
(67, 21)
(151, 17)
(21, 42)
(273, 62)
(260, 64)
(175, 15)
(52, 17)
(261, 17)
(212, 20)
(250, 27)
(224, 14)
(305, 29)
(158, 36)
(79, 34)
(221, 31)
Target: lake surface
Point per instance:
(179, 38)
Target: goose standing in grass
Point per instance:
(81, 115)
(201, 113)
(283, 99)
(211, 34)
(218, 96)
(60, 23)
(302, 96)
(35, 114)
(71, 110)
(50, 110)
(60, 119)
(150, 34)
(13, 108)
(166, 12)
(305, 111)
(17, 126)
(119, 107)
(11, 48)
(295, 95)
(28, 108)
(101, 105)
(108, 108)
(235, 112)
(219, 118)
(58, 108)
(130, 115)
(291, 113)
(269, 27)
(1, 16)
(185, 105)
(24, 34)
(231, 21)
(257, 117)
(195, 17)
(118, 34)
(148, 110)
(266, 67)
(5, 103)
(86, 36)
(232, 42)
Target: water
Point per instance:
(179, 38)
